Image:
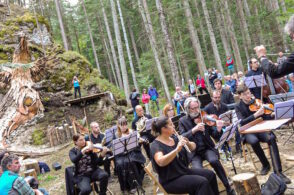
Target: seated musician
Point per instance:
(169, 160)
(226, 95)
(190, 126)
(217, 107)
(96, 137)
(138, 122)
(128, 170)
(86, 166)
(282, 69)
(168, 111)
(243, 112)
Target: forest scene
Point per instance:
(79, 76)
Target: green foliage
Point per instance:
(38, 137)
(108, 117)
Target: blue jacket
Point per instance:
(290, 85)
(152, 92)
(6, 182)
(232, 83)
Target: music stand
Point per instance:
(285, 110)
(149, 124)
(255, 81)
(110, 134)
(204, 99)
(124, 145)
(226, 136)
(234, 116)
(227, 116)
(281, 97)
(176, 120)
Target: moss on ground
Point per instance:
(38, 137)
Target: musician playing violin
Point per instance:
(255, 69)
(86, 166)
(97, 137)
(192, 128)
(246, 115)
(169, 160)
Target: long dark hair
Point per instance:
(158, 124)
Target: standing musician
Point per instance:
(86, 166)
(97, 137)
(138, 124)
(255, 69)
(128, 170)
(226, 95)
(243, 112)
(287, 66)
(196, 131)
(169, 160)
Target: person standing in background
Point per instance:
(76, 84)
(230, 64)
(145, 100)
(134, 97)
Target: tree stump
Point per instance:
(31, 172)
(62, 135)
(67, 131)
(72, 131)
(32, 164)
(246, 184)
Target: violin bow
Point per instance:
(199, 105)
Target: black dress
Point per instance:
(177, 178)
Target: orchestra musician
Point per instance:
(139, 121)
(287, 66)
(217, 107)
(199, 133)
(127, 170)
(226, 95)
(96, 137)
(86, 166)
(169, 160)
(255, 69)
(168, 111)
(246, 115)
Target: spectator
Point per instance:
(11, 182)
(135, 98)
(201, 84)
(179, 99)
(2, 155)
(230, 64)
(226, 95)
(241, 77)
(281, 59)
(211, 76)
(153, 95)
(232, 83)
(192, 88)
(290, 82)
(76, 84)
(219, 75)
(145, 100)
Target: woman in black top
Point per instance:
(169, 159)
(86, 166)
(128, 167)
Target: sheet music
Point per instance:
(234, 116)
(284, 109)
(281, 97)
(149, 123)
(227, 116)
(118, 146)
(110, 134)
(234, 128)
(259, 80)
(255, 81)
(223, 137)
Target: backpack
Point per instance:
(273, 186)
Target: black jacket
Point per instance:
(75, 156)
(257, 90)
(227, 97)
(211, 109)
(283, 69)
(186, 124)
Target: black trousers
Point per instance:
(213, 160)
(84, 182)
(254, 138)
(106, 164)
(197, 181)
(77, 89)
(201, 90)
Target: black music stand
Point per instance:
(204, 99)
(227, 116)
(176, 120)
(124, 145)
(255, 81)
(110, 134)
(227, 135)
(284, 110)
(149, 124)
(281, 97)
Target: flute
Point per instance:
(185, 146)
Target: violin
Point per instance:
(208, 119)
(256, 104)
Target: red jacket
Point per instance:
(230, 62)
(145, 98)
(200, 82)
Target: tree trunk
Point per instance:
(246, 7)
(183, 59)
(201, 27)
(91, 37)
(127, 46)
(120, 51)
(76, 33)
(67, 31)
(65, 43)
(151, 36)
(220, 25)
(212, 38)
(258, 25)
(112, 47)
(194, 39)
(105, 48)
(41, 6)
(283, 6)
(233, 37)
(134, 44)
(168, 44)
